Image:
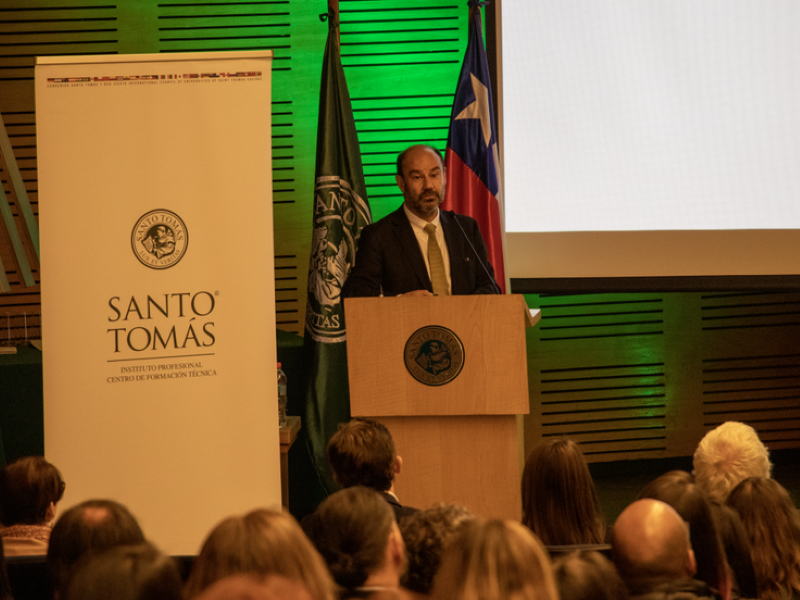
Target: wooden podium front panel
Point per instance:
(469, 460)
(493, 379)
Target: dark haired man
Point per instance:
(419, 249)
(362, 453)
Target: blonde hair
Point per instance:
(494, 560)
(262, 542)
(727, 455)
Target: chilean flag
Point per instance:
(471, 159)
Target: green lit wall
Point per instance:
(645, 375)
(628, 375)
(401, 60)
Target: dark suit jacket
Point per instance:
(389, 259)
(308, 522)
(400, 511)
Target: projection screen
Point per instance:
(651, 137)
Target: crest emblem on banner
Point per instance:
(434, 355)
(159, 239)
(338, 209)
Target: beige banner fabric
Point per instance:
(155, 190)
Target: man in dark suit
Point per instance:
(362, 452)
(402, 254)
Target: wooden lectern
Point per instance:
(458, 439)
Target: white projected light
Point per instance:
(652, 116)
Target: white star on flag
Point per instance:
(479, 109)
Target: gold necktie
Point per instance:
(436, 262)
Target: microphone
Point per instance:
(478, 256)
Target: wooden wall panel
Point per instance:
(628, 375)
(401, 60)
(647, 375)
(750, 370)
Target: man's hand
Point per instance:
(417, 293)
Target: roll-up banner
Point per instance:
(155, 207)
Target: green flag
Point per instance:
(340, 212)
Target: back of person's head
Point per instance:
(138, 572)
(587, 575)
(28, 488)
(5, 587)
(362, 452)
(678, 489)
(87, 529)
(727, 455)
(494, 560)
(262, 542)
(353, 530)
(255, 587)
(426, 534)
(737, 550)
(773, 528)
(559, 500)
(650, 544)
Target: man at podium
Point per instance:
(419, 249)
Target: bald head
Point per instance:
(87, 529)
(651, 543)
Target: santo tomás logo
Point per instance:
(159, 239)
(434, 355)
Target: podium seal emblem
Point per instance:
(434, 355)
(159, 239)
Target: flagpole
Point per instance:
(471, 156)
(340, 210)
(333, 15)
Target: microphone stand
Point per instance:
(478, 256)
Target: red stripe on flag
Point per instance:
(467, 195)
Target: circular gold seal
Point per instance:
(159, 239)
(434, 355)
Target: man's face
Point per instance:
(422, 182)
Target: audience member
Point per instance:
(357, 535)
(653, 555)
(426, 534)
(5, 587)
(30, 488)
(559, 500)
(255, 587)
(85, 530)
(727, 455)
(262, 542)
(737, 551)
(362, 453)
(587, 575)
(494, 560)
(772, 525)
(126, 573)
(677, 489)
